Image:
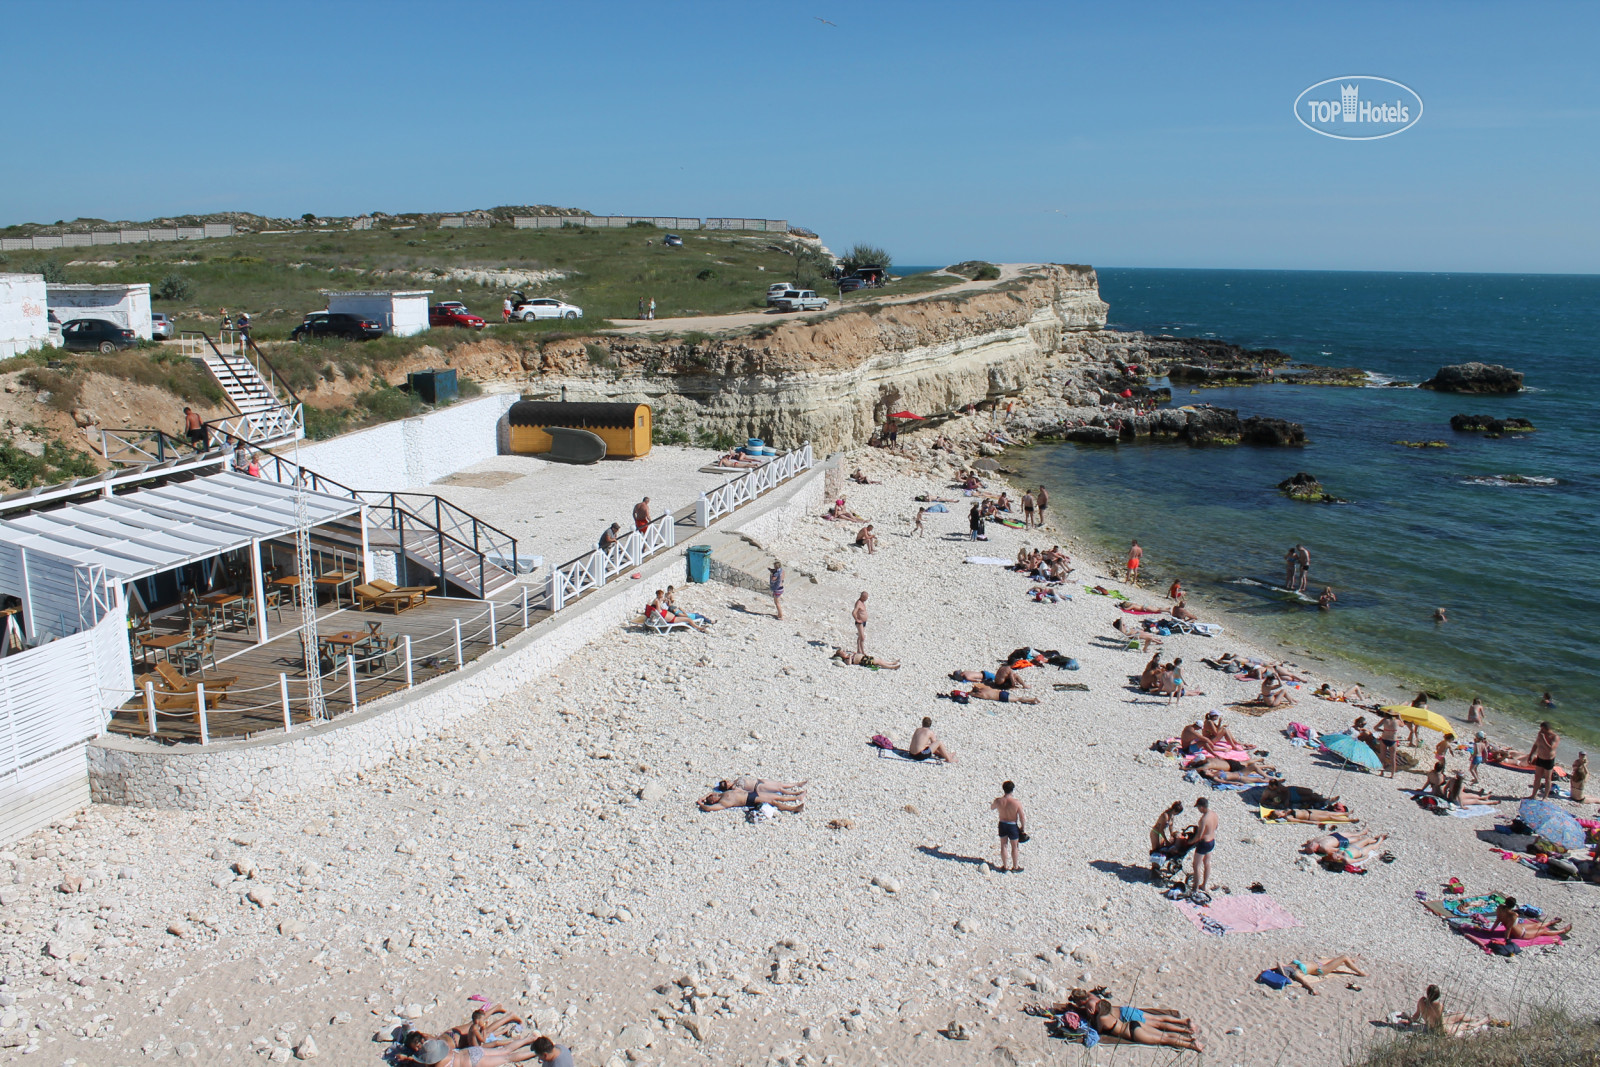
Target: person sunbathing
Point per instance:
(658, 607)
(865, 538)
(1313, 976)
(1337, 846)
(1179, 611)
(1142, 1026)
(1518, 928)
(1216, 735)
(1353, 695)
(865, 659)
(671, 601)
(438, 1053)
(735, 458)
(862, 479)
(1042, 595)
(1430, 1016)
(1456, 792)
(1273, 693)
(1313, 816)
(1002, 677)
(489, 1024)
(1279, 794)
(1233, 777)
(763, 785)
(839, 511)
(1146, 639)
(728, 799)
(980, 691)
(1151, 675)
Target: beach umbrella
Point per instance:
(1546, 820)
(1422, 717)
(1350, 749)
(905, 415)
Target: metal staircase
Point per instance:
(268, 411)
(437, 542)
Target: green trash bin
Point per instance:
(700, 563)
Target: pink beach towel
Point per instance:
(1252, 914)
(1487, 941)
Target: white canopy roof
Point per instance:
(148, 531)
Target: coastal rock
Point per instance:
(1260, 430)
(1303, 486)
(1475, 377)
(1092, 435)
(1212, 426)
(1489, 424)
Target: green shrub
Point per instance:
(661, 434)
(173, 287)
(599, 355)
(59, 463)
(386, 403)
(719, 440)
(863, 255)
(53, 271)
(976, 269)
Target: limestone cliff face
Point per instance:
(830, 381)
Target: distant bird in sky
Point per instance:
(825, 22)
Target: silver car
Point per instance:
(160, 326)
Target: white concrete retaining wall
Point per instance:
(126, 305)
(43, 792)
(134, 772)
(24, 323)
(413, 452)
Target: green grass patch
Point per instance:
(977, 270)
(1549, 1039)
(929, 282)
(22, 470)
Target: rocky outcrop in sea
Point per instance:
(1489, 378)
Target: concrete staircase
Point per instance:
(268, 411)
(245, 388)
(739, 560)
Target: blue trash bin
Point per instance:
(700, 563)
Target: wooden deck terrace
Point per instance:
(253, 703)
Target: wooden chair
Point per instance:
(195, 656)
(381, 594)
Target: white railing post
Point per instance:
(702, 512)
(150, 706)
(492, 635)
(459, 661)
(350, 671)
(597, 567)
(670, 529)
(408, 661)
(556, 597)
(200, 712)
(283, 696)
(524, 607)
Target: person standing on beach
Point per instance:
(505, 310)
(917, 525)
(641, 308)
(859, 614)
(1013, 823)
(1387, 730)
(1041, 500)
(1206, 840)
(775, 585)
(975, 524)
(1303, 555)
(1543, 757)
(1580, 777)
(641, 515)
(1027, 510)
(1480, 754)
(1135, 556)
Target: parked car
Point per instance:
(850, 285)
(802, 300)
(336, 324)
(672, 240)
(872, 274)
(89, 335)
(775, 290)
(545, 307)
(160, 326)
(454, 314)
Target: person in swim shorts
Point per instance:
(1543, 758)
(728, 799)
(1135, 554)
(980, 691)
(1013, 823)
(1206, 839)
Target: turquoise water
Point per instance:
(1516, 567)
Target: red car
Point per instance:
(453, 314)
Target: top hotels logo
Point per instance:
(1358, 107)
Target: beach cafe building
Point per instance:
(100, 570)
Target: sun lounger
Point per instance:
(382, 594)
(656, 624)
(177, 693)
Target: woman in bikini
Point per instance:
(863, 659)
(1519, 929)
(1142, 1026)
(763, 785)
(1312, 976)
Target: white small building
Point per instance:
(127, 305)
(24, 318)
(402, 312)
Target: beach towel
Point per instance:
(1266, 816)
(1115, 594)
(1487, 941)
(988, 561)
(896, 754)
(1252, 914)
(938, 509)
(1138, 611)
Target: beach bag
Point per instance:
(1273, 979)
(882, 742)
(959, 697)
(1298, 730)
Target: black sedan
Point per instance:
(91, 335)
(336, 324)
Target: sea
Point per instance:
(1502, 534)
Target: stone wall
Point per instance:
(132, 771)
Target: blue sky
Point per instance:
(1112, 134)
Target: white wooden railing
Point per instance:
(594, 568)
(729, 496)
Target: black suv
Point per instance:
(336, 324)
(88, 335)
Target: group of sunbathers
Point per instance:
(665, 607)
(493, 1037)
(1140, 1026)
(1166, 679)
(838, 512)
(1052, 565)
(751, 793)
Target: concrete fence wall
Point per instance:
(666, 222)
(44, 241)
(412, 452)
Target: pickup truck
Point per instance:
(801, 300)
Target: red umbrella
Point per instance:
(905, 415)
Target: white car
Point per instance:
(777, 290)
(801, 300)
(160, 326)
(545, 307)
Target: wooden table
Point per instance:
(221, 600)
(165, 643)
(291, 583)
(335, 579)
